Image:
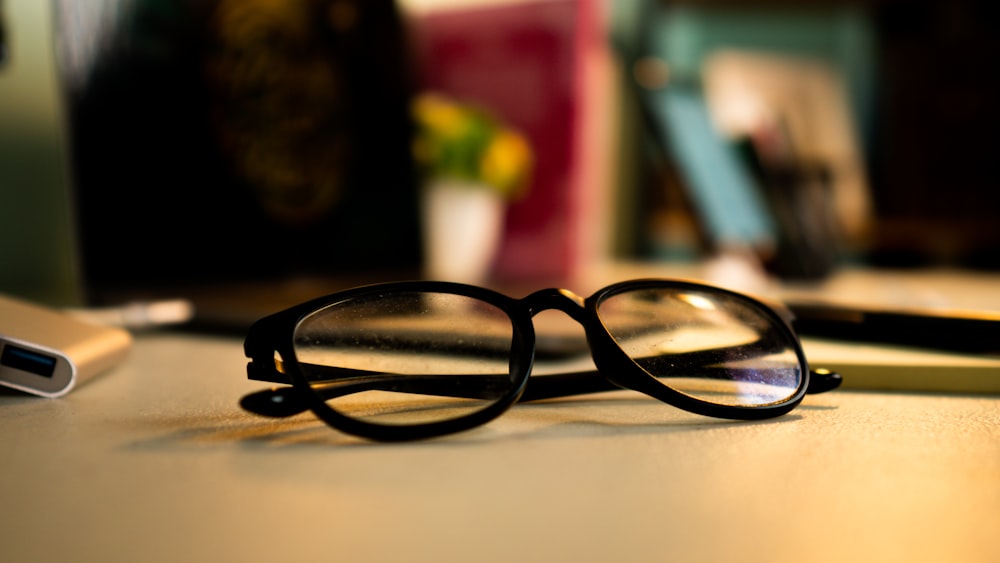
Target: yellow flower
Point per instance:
(506, 162)
(464, 142)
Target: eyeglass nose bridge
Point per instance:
(558, 299)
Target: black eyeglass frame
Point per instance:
(274, 334)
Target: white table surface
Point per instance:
(155, 461)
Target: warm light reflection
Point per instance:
(697, 301)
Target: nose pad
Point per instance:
(560, 299)
(558, 337)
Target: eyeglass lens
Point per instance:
(708, 345)
(407, 358)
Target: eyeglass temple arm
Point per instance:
(260, 368)
(339, 382)
(289, 401)
(577, 383)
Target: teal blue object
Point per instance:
(723, 191)
(722, 188)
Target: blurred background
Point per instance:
(241, 152)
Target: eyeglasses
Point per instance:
(411, 360)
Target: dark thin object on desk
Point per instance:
(967, 332)
(280, 402)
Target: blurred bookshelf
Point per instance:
(916, 81)
(917, 76)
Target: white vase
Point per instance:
(462, 228)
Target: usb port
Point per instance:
(28, 360)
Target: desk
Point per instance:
(155, 461)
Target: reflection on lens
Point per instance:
(407, 358)
(712, 346)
